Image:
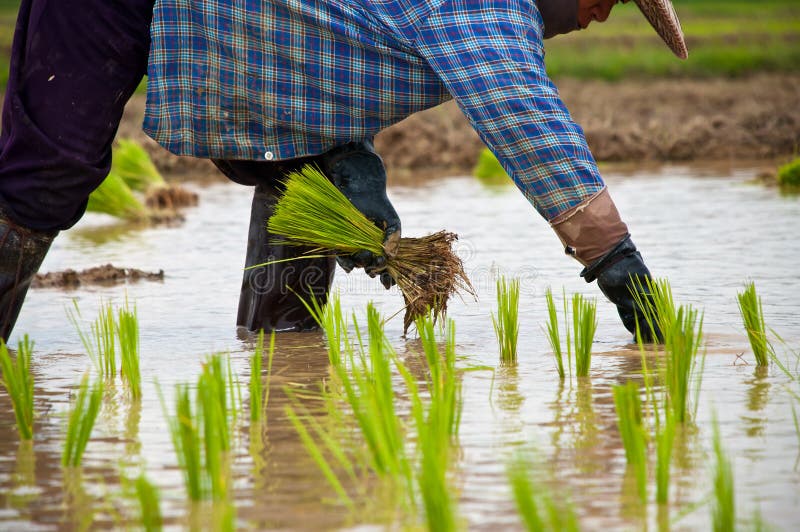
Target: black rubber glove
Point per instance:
(359, 173)
(620, 273)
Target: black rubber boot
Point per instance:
(21, 253)
(620, 273)
(269, 297)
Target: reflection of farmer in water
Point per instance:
(266, 87)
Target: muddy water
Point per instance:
(707, 230)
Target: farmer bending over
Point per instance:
(265, 88)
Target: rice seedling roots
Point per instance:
(313, 212)
(428, 273)
(170, 197)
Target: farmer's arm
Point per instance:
(491, 58)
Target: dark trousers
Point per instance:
(74, 65)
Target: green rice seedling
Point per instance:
(682, 343)
(506, 322)
(631, 429)
(536, 508)
(524, 494)
(682, 330)
(215, 416)
(330, 318)
(100, 344)
(753, 317)
(234, 393)
(553, 334)
(114, 197)
(584, 325)
(723, 507)
(654, 298)
(438, 424)
(132, 163)
(301, 423)
(81, 421)
(186, 435)
(434, 488)
(443, 383)
(363, 377)
(256, 387)
(313, 212)
(371, 397)
(665, 437)
(149, 505)
(18, 382)
(128, 333)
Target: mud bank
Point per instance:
(662, 120)
(99, 275)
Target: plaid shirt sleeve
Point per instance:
(490, 56)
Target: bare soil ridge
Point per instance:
(639, 120)
(98, 275)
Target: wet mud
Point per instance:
(105, 275)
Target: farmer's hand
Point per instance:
(620, 273)
(359, 173)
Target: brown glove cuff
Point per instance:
(590, 229)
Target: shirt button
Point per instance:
(268, 155)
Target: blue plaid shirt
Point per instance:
(278, 79)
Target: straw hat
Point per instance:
(662, 17)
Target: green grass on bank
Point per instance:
(730, 38)
(725, 38)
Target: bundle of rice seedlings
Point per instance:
(313, 212)
(489, 170)
(133, 164)
(116, 198)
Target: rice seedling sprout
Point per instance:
(256, 387)
(665, 438)
(631, 429)
(584, 325)
(100, 344)
(149, 504)
(18, 382)
(437, 429)
(753, 317)
(187, 441)
(506, 322)
(128, 333)
(215, 415)
(81, 421)
(115, 197)
(682, 330)
(723, 514)
(313, 212)
(537, 508)
(553, 334)
(682, 342)
(524, 494)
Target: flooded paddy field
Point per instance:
(705, 229)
